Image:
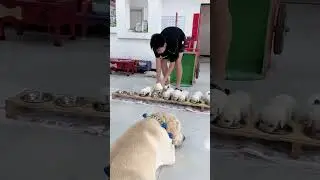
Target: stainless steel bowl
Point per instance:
(100, 107)
(70, 101)
(36, 97)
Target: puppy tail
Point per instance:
(107, 170)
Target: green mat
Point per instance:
(249, 31)
(188, 65)
(242, 76)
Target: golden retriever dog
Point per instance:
(144, 147)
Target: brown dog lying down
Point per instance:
(144, 147)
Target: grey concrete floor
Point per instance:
(79, 67)
(32, 151)
(194, 157)
(295, 72)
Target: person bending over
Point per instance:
(168, 46)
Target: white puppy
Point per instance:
(278, 112)
(146, 91)
(167, 93)
(313, 116)
(206, 97)
(196, 97)
(237, 108)
(144, 147)
(218, 101)
(158, 87)
(184, 96)
(176, 95)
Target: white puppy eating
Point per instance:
(176, 95)
(146, 91)
(167, 93)
(278, 113)
(158, 87)
(144, 147)
(313, 116)
(196, 97)
(237, 108)
(219, 100)
(206, 97)
(184, 96)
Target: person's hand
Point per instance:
(158, 81)
(162, 82)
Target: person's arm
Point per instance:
(171, 66)
(158, 69)
(170, 69)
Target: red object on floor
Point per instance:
(124, 65)
(47, 13)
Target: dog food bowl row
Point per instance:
(62, 100)
(266, 128)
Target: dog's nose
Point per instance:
(184, 138)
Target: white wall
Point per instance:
(139, 3)
(184, 8)
(130, 48)
(125, 45)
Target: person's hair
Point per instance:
(157, 41)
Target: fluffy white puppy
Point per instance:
(184, 96)
(313, 116)
(206, 97)
(218, 101)
(167, 93)
(176, 95)
(196, 97)
(146, 91)
(158, 87)
(237, 108)
(278, 112)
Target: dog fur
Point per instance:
(278, 112)
(219, 100)
(144, 147)
(313, 116)
(237, 107)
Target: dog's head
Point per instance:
(173, 127)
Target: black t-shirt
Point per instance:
(175, 38)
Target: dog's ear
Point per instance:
(227, 91)
(316, 102)
(107, 170)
